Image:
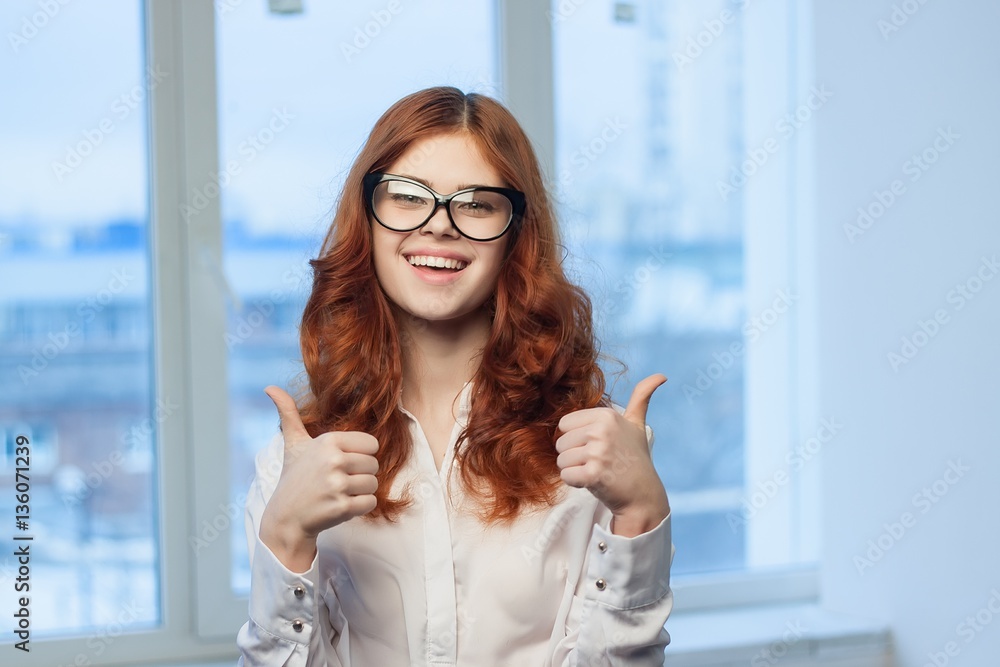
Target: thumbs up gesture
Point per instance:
(324, 481)
(607, 453)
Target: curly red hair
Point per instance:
(539, 364)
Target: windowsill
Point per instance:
(795, 634)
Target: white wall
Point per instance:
(941, 69)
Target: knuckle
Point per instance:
(337, 484)
(328, 438)
(336, 459)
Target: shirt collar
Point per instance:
(463, 404)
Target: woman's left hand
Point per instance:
(608, 454)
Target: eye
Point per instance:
(407, 200)
(406, 195)
(477, 204)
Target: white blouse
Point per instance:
(439, 588)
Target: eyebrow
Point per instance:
(460, 187)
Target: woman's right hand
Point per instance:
(324, 481)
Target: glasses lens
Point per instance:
(401, 205)
(481, 214)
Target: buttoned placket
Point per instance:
(439, 576)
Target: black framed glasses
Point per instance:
(481, 214)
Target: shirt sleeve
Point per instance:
(622, 599)
(286, 608)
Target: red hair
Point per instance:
(539, 363)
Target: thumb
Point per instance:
(638, 404)
(291, 422)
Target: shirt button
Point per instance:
(601, 584)
(299, 592)
(297, 625)
(602, 546)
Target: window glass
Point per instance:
(78, 421)
(647, 125)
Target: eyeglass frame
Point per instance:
(518, 203)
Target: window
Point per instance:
(662, 253)
(674, 178)
(75, 321)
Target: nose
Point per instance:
(440, 224)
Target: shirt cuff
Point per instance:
(282, 602)
(629, 572)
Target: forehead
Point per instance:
(447, 162)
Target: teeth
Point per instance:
(439, 262)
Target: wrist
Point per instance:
(294, 548)
(640, 518)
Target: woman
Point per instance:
(455, 488)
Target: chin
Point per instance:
(456, 317)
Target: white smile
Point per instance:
(437, 262)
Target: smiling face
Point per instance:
(434, 273)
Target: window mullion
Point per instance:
(197, 212)
(525, 40)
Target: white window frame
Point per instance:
(200, 614)
(781, 386)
